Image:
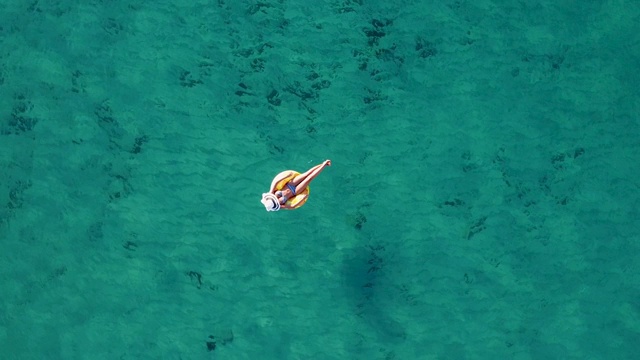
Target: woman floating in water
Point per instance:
(290, 189)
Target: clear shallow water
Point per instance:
(482, 203)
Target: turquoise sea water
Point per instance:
(482, 203)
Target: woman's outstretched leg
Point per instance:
(302, 181)
(298, 178)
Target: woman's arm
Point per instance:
(277, 179)
(300, 198)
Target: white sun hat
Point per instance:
(270, 202)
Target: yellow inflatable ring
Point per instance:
(281, 180)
